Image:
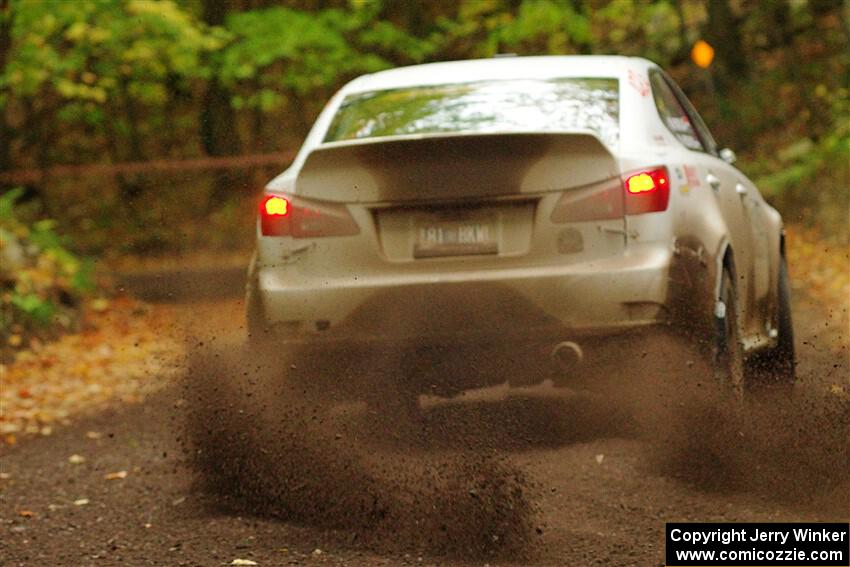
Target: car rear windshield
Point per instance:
(529, 105)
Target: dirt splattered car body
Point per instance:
(524, 208)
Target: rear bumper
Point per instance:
(524, 304)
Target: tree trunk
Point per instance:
(723, 33)
(685, 48)
(219, 132)
(131, 186)
(5, 47)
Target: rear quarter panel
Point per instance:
(693, 226)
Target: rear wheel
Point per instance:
(774, 369)
(729, 367)
(254, 315)
(260, 332)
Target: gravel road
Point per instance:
(519, 477)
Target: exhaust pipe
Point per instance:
(567, 355)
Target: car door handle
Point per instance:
(713, 181)
(741, 189)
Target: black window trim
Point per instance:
(704, 134)
(709, 146)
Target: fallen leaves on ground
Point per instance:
(819, 267)
(820, 274)
(125, 353)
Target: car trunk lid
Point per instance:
(452, 167)
(468, 195)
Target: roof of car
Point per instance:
(502, 67)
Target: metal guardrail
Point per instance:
(158, 165)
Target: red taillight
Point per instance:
(291, 216)
(647, 191)
(275, 206)
(644, 191)
(275, 213)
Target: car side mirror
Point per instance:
(728, 156)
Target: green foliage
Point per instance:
(132, 80)
(32, 307)
(87, 51)
(269, 69)
(41, 281)
(546, 26)
(264, 65)
(106, 72)
(808, 176)
(643, 29)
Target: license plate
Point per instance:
(454, 239)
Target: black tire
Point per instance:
(729, 364)
(775, 368)
(255, 317)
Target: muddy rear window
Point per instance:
(558, 105)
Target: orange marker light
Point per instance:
(702, 54)
(641, 183)
(276, 206)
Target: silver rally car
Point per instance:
(512, 210)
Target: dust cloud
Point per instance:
(788, 450)
(265, 442)
(791, 448)
(268, 438)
